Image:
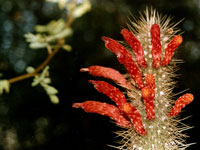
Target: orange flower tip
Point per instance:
(178, 39)
(181, 102)
(146, 93)
(189, 97)
(150, 79)
(84, 70)
(127, 108)
(77, 105)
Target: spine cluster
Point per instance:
(148, 115)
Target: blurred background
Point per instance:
(29, 121)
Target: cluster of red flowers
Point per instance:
(125, 114)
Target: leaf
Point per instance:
(80, 10)
(50, 89)
(30, 69)
(54, 99)
(67, 47)
(47, 80)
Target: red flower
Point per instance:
(109, 73)
(136, 46)
(156, 45)
(104, 109)
(171, 47)
(180, 103)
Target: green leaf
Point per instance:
(30, 69)
(50, 89)
(67, 47)
(54, 99)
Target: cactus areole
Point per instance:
(148, 112)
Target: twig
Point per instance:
(40, 67)
(47, 60)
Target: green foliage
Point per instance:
(44, 80)
(46, 36)
(77, 10)
(52, 37)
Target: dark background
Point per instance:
(28, 118)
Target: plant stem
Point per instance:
(40, 67)
(47, 60)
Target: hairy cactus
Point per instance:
(148, 113)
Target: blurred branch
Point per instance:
(47, 60)
(51, 36)
(40, 67)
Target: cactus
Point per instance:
(148, 114)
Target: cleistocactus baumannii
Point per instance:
(148, 112)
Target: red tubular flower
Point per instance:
(118, 97)
(171, 47)
(135, 118)
(109, 73)
(181, 102)
(125, 58)
(148, 95)
(136, 46)
(156, 45)
(112, 92)
(104, 109)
